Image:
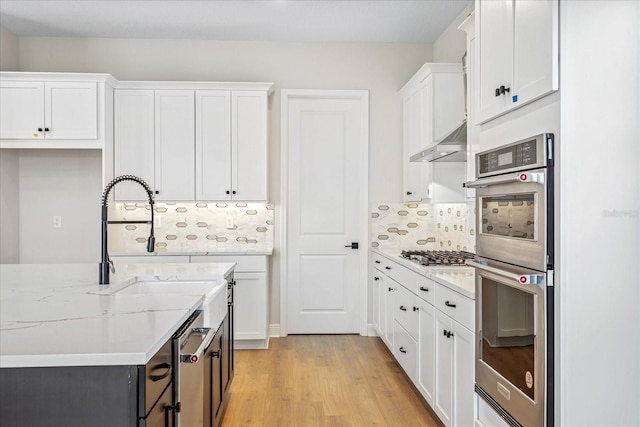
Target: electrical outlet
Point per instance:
(230, 222)
(157, 223)
(57, 222)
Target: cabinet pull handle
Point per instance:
(39, 129)
(415, 309)
(403, 308)
(376, 278)
(390, 289)
(409, 193)
(216, 354)
(446, 333)
(165, 374)
(448, 304)
(233, 192)
(377, 262)
(502, 90)
(46, 129)
(387, 267)
(228, 192)
(422, 288)
(402, 350)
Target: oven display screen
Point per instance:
(515, 156)
(508, 334)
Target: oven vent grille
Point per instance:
(496, 407)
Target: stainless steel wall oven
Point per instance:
(514, 280)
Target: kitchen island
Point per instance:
(73, 352)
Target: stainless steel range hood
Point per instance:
(451, 148)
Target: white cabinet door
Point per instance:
(213, 145)
(415, 182)
(445, 111)
(174, 145)
(389, 297)
(443, 397)
(463, 374)
(518, 50)
(426, 351)
(378, 297)
(21, 110)
(71, 110)
(536, 48)
(496, 56)
(133, 141)
(249, 145)
(250, 304)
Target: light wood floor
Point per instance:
(323, 380)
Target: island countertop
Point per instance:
(58, 314)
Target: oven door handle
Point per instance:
(208, 334)
(525, 177)
(523, 279)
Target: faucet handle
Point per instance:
(112, 267)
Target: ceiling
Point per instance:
(270, 20)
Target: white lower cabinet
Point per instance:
(426, 350)
(251, 298)
(486, 416)
(428, 328)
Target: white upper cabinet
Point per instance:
(134, 137)
(55, 110)
(174, 145)
(213, 144)
(190, 142)
(518, 53)
(433, 106)
(249, 148)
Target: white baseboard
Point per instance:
(251, 344)
(371, 330)
(274, 330)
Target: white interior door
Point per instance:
(326, 138)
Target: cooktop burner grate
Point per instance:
(438, 258)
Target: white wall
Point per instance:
(9, 207)
(381, 68)
(452, 43)
(600, 221)
(8, 50)
(66, 183)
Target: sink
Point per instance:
(167, 287)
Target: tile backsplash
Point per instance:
(437, 226)
(194, 227)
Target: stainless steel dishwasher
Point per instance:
(190, 344)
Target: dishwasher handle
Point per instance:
(206, 335)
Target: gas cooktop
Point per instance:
(438, 258)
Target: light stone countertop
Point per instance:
(58, 314)
(219, 252)
(459, 279)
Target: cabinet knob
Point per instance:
(228, 192)
(446, 333)
(409, 193)
(390, 289)
(376, 278)
(415, 309)
(233, 192)
(46, 129)
(157, 191)
(39, 129)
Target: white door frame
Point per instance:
(363, 205)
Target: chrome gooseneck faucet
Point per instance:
(105, 264)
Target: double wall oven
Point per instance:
(514, 280)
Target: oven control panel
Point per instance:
(521, 155)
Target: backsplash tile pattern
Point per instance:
(194, 227)
(437, 226)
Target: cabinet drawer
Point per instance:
(399, 273)
(157, 375)
(426, 289)
(245, 263)
(406, 310)
(456, 306)
(405, 351)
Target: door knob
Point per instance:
(353, 245)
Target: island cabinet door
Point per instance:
(161, 414)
